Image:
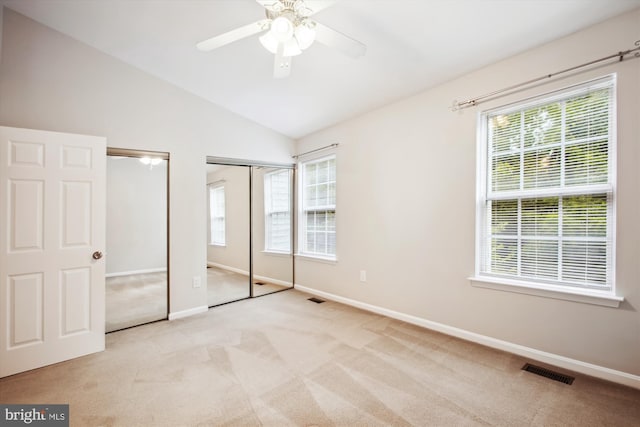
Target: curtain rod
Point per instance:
(317, 149)
(475, 101)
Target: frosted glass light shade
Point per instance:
(282, 29)
(305, 35)
(270, 43)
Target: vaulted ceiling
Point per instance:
(411, 45)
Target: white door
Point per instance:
(52, 222)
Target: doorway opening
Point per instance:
(137, 261)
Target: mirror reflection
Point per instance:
(228, 261)
(272, 230)
(136, 246)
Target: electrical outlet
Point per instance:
(363, 275)
(196, 282)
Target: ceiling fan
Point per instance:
(287, 31)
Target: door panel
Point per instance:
(26, 207)
(76, 214)
(52, 188)
(75, 289)
(25, 294)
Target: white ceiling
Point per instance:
(411, 45)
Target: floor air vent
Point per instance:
(258, 283)
(316, 300)
(548, 373)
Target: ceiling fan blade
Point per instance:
(272, 5)
(233, 35)
(318, 5)
(332, 38)
(281, 64)
(310, 7)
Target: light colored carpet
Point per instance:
(281, 360)
(135, 299)
(224, 286)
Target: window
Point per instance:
(217, 215)
(277, 211)
(546, 190)
(318, 205)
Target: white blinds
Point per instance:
(277, 208)
(217, 215)
(548, 203)
(319, 207)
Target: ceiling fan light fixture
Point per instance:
(282, 29)
(270, 43)
(305, 34)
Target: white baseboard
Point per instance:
(228, 268)
(129, 273)
(272, 280)
(189, 312)
(597, 371)
(246, 273)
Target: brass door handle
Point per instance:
(97, 255)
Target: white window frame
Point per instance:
(217, 187)
(303, 210)
(269, 212)
(552, 288)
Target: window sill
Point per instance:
(218, 245)
(318, 258)
(277, 253)
(548, 291)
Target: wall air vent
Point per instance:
(548, 373)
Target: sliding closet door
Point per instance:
(272, 229)
(228, 249)
(136, 261)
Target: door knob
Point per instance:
(97, 255)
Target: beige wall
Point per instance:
(49, 81)
(406, 210)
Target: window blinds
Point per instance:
(548, 203)
(277, 187)
(319, 207)
(217, 215)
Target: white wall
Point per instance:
(136, 216)
(406, 210)
(52, 82)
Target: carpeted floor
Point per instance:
(141, 298)
(282, 360)
(135, 299)
(224, 286)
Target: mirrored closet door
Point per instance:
(136, 244)
(272, 229)
(249, 229)
(228, 231)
